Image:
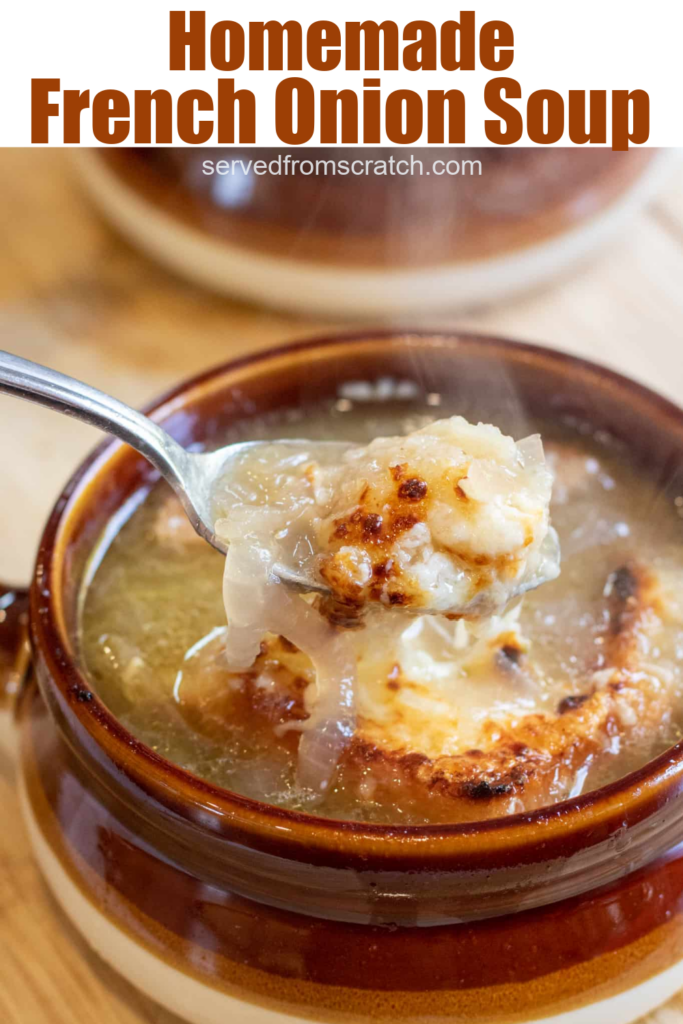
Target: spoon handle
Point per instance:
(25, 379)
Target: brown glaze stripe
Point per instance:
(560, 957)
(14, 648)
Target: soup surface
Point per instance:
(569, 689)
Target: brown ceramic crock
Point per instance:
(520, 197)
(300, 232)
(223, 908)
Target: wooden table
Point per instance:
(73, 295)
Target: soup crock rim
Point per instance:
(182, 792)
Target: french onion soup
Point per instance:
(435, 680)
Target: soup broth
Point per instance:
(591, 662)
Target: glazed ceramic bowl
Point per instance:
(364, 245)
(222, 908)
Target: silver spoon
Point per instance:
(190, 474)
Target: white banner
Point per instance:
(527, 72)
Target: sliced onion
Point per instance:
(257, 603)
(531, 449)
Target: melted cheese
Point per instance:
(451, 518)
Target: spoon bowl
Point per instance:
(203, 469)
(192, 475)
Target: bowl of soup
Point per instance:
(398, 232)
(499, 837)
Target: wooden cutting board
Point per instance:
(73, 295)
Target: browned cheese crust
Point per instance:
(375, 525)
(519, 767)
(522, 768)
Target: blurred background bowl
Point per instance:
(371, 245)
